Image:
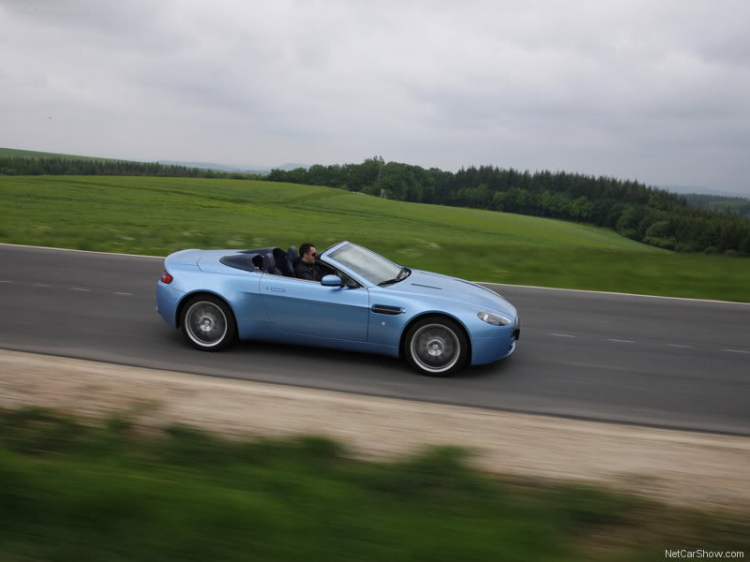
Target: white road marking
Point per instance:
(5, 281)
(561, 335)
(610, 293)
(83, 289)
(620, 341)
(53, 248)
(679, 345)
(41, 285)
(123, 294)
(736, 351)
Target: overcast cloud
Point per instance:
(657, 91)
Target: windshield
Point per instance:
(366, 264)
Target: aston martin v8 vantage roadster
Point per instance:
(364, 302)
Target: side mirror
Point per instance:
(331, 281)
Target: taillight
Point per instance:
(166, 277)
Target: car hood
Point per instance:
(454, 289)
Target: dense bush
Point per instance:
(661, 229)
(666, 243)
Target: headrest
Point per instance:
(293, 253)
(268, 262)
(279, 255)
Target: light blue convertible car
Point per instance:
(364, 302)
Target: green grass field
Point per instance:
(103, 492)
(15, 153)
(147, 215)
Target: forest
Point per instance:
(646, 214)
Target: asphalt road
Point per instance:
(651, 361)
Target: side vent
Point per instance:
(386, 309)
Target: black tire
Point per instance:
(436, 346)
(207, 323)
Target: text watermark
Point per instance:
(700, 554)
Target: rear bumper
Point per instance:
(167, 299)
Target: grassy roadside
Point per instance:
(149, 215)
(73, 491)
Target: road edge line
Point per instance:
(477, 282)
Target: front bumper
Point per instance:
(494, 348)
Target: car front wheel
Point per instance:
(436, 347)
(208, 323)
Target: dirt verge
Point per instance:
(686, 468)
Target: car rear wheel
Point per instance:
(208, 323)
(436, 347)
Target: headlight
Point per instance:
(494, 319)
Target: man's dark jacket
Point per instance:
(309, 271)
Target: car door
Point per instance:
(305, 307)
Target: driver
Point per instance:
(306, 267)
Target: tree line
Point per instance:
(21, 166)
(634, 210)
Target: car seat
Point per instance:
(292, 257)
(269, 264)
(279, 257)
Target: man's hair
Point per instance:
(304, 248)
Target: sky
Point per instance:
(654, 91)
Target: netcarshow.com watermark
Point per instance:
(700, 554)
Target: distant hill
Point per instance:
(15, 153)
(688, 189)
(233, 168)
(228, 168)
(288, 167)
(33, 163)
(739, 206)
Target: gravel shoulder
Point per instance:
(679, 467)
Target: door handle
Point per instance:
(278, 290)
